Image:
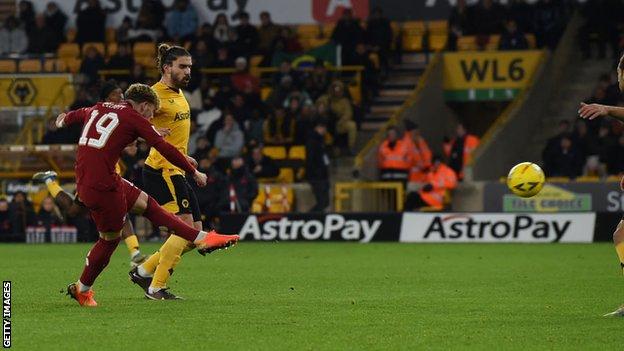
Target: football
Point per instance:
(525, 179)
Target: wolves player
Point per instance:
(107, 129)
(165, 181)
(591, 111)
(110, 92)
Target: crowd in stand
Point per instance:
(545, 19)
(17, 215)
(408, 159)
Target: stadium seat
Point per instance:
(286, 175)
(255, 60)
(73, 64)
(71, 35)
(492, 45)
(265, 92)
(437, 42)
(413, 32)
(67, 50)
(273, 198)
(111, 49)
(297, 152)
(328, 28)
(415, 27)
(557, 180)
(147, 61)
(143, 49)
(276, 152)
(98, 46)
(613, 178)
(587, 179)
(531, 40)
(8, 66)
(29, 66)
(54, 65)
(374, 57)
(466, 43)
(438, 27)
(110, 35)
(308, 31)
(316, 42)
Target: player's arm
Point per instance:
(71, 117)
(148, 132)
(591, 111)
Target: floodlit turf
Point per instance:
(304, 296)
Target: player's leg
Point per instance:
(618, 242)
(132, 242)
(64, 200)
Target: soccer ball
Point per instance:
(525, 179)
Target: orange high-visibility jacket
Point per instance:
(421, 158)
(398, 158)
(443, 179)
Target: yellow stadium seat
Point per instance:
(111, 49)
(255, 60)
(146, 61)
(438, 27)
(71, 35)
(467, 43)
(98, 46)
(374, 57)
(305, 43)
(356, 93)
(67, 50)
(54, 65)
(437, 42)
(316, 42)
(144, 49)
(492, 45)
(73, 64)
(276, 152)
(415, 27)
(265, 92)
(273, 198)
(557, 180)
(29, 66)
(8, 66)
(308, 31)
(613, 178)
(286, 175)
(297, 152)
(531, 40)
(587, 179)
(110, 35)
(328, 28)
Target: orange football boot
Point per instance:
(84, 299)
(214, 241)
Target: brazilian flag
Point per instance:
(325, 52)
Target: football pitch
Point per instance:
(327, 296)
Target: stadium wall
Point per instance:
(502, 145)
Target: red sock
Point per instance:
(158, 216)
(97, 260)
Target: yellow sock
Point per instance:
(170, 254)
(149, 266)
(54, 188)
(132, 242)
(619, 248)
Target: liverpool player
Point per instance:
(107, 129)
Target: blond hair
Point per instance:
(142, 93)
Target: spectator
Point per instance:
(605, 143)
(151, 15)
(53, 135)
(111, 92)
(304, 123)
(242, 80)
(394, 157)
(240, 188)
(267, 33)
(26, 15)
(487, 21)
(223, 33)
(254, 128)
(6, 229)
(182, 22)
(48, 215)
(137, 74)
(90, 23)
(41, 39)
(208, 196)
(286, 42)
(615, 161)
(22, 213)
(567, 161)
(122, 34)
(379, 36)
(55, 20)
(279, 94)
(512, 38)
(341, 107)
(548, 24)
(223, 59)
(317, 166)
(261, 165)
(460, 24)
(523, 14)
(246, 36)
(202, 58)
(239, 109)
(229, 140)
(459, 149)
(202, 148)
(286, 70)
(347, 33)
(122, 59)
(420, 153)
(279, 128)
(91, 64)
(585, 142)
(440, 179)
(317, 81)
(13, 39)
(552, 146)
(370, 79)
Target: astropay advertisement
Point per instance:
(498, 227)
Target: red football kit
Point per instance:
(107, 129)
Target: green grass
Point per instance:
(318, 296)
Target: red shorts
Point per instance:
(109, 208)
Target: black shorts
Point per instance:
(172, 192)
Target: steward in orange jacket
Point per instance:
(459, 149)
(394, 157)
(440, 179)
(420, 153)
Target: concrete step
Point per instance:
(395, 93)
(399, 86)
(387, 110)
(388, 101)
(372, 126)
(376, 118)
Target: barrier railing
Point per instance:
(368, 196)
